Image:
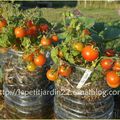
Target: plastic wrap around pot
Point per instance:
(116, 114)
(73, 103)
(22, 105)
(23, 90)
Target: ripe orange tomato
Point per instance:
(40, 60)
(54, 38)
(89, 53)
(106, 64)
(113, 79)
(45, 41)
(65, 70)
(28, 58)
(52, 75)
(20, 32)
(86, 32)
(116, 66)
(3, 23)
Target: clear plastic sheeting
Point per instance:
(23, 90)
(29, 106)
(73, 103)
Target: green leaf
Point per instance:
(26, 43)
(54, 53)
(75, 53)
(71, 59)
(111, 33)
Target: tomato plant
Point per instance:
(65, 70)
(113, 79)
(106, 63)
(40, 60)
(52, 75)
(89, 53)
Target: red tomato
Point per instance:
(86, 32)
(40, 60)
(113, 79)
(54, 38)
(52, 75)
(32, 31)
(65, 70)
(3, 23)
(89, 53)
(116, 66)
(20, 32)
(29, 23)
(106, 63)
(43, 28)
(109, 52)
(45, 41)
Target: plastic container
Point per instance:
(73, 103)
(116, 114)
(26, 94)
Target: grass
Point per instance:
(107, 14)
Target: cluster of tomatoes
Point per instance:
(111, 67)
(36, 58)
(30, 29)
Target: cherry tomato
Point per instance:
(54, 38)
(20, 32)
(106, 64)
(29, 23)
(78, 46)
(32, 31)
(43, 28)
(40, 60)
(89, 53)
(29, 57)
(113, 79)
(45, 41)
(65, 70)
(31, 67)
(109, 52)
(3, 23)
(52, 75)
(86, 32)
(116, 66)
